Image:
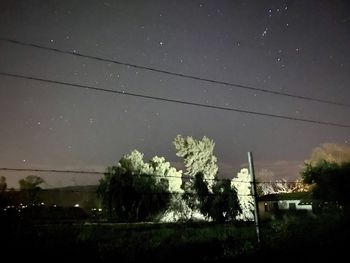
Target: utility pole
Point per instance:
(254, 193)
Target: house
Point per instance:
(272, 205)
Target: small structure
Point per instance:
(273, 205)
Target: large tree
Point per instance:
(220, 205)
(136, 191)
(31, 186)
(330, 180)
(198, 157)
(31, 182)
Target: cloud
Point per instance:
(331, 152)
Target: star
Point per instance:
(264, 33)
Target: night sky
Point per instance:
(295, 47)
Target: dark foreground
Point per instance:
(42, 235)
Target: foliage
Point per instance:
(178, 210)
(162, 170)
(276, 187)
(222, 204)
(198, 157)
(242, 185)
(30, 185)
(300, 186)
(324, 235)
(3, 184)
(31, 182)
(225, 204)
(331, 181)
(137, 191)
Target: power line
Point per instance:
(102, 173)
(187, 76)
(48, 170)
(174, 101)
(97, 172)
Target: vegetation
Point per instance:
(135, 191)
(3, 184)
(198, 157)
(242, 184)
(30, 185)
(222, 204)
(131, 192)
(31, 182)
(331, 182)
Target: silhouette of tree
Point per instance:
(30, 185)
(330, 180)
(3, 184)
(131, 192)
(31, 182)
(222, 204)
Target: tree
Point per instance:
(135, 191)
(31, 182)
(161, 169)
(242, 184)
(222, 204)
(177, 209)
(3, 184)
(276, 187)
(330, 180)
(198, 157)
(30, 185)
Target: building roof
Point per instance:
(303, 196)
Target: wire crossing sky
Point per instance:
(279, 58)
(176, 101)
(75, 53)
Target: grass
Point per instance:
(289, 237)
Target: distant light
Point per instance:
(76, 205)
(100, 209)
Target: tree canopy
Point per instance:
(331, 181)
(31, 182)
(136, 191)
(220, 205)
(198, 157)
